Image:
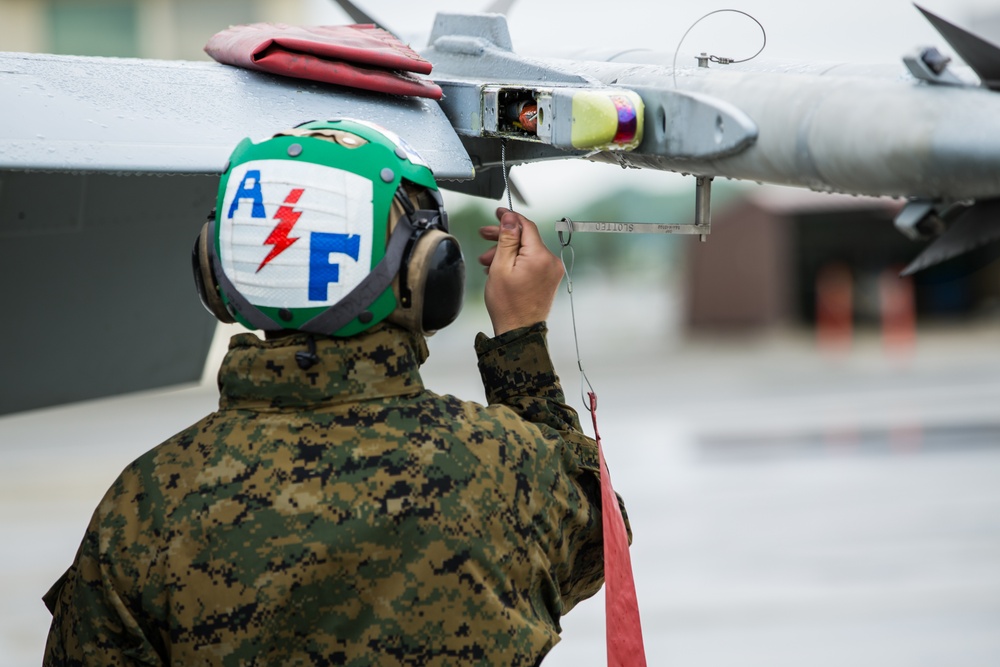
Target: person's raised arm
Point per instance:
(523, 275)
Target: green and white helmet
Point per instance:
(301, 237)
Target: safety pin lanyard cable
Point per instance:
(719, 59)
(503, 168)
(565, 246)
(623, 629)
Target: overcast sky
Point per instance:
(854, 30)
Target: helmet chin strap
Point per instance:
(236, 301)
(404, 200)
(405, 297)
(420, 220)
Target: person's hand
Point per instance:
(522, 274)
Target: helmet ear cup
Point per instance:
(435, 278)
(205, 280)
(445, 283)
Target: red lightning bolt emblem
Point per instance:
(287, 218)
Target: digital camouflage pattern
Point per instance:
(343, 515)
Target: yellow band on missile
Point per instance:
(607, 120)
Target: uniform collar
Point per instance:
(264, 375)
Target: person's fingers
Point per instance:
(530, 236)
(509, 241)
(491, 233)
(487, 257)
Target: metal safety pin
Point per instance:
(702, 220)
(570, 226)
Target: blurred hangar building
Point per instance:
(772, 251)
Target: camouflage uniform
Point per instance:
(343, 515)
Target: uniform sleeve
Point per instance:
(92, 621)
(517, 372)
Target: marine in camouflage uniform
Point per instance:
(338, 513)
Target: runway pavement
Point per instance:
(789, 507)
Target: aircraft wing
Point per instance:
(108, 168)
(78, 113)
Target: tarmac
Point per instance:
(790, 505)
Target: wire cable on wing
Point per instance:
(719, 59)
